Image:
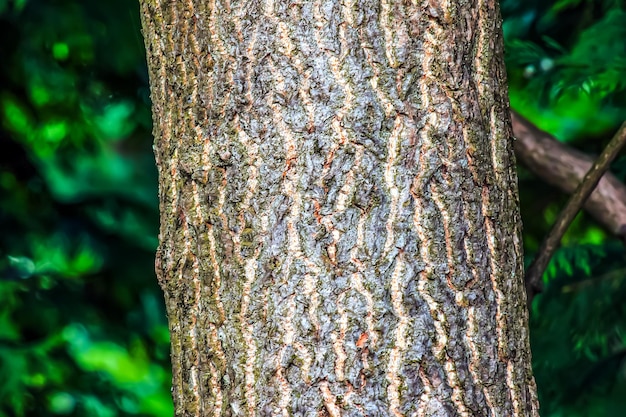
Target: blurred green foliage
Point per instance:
(82, 322)
(566, 61)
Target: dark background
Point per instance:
(82, 324)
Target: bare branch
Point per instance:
(553, 240)
(564, 167)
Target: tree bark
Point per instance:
(340, 233)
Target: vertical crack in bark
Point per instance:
(250, 264)
(213, 28)
(357, 282)
(187, 253)
(339, 140)
(400, 342)
(390, 181)
(289, 187)
(250, 267)
(377, 68)
(197, 288)
(287, 47)
(216, 345)
(444, 200)
(385, 19)
(291, 183)
(421, 223)
(330, 401)
(473, 334)
(424, 217)
(338, 339)
(309, 283)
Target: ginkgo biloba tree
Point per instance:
(340, 232)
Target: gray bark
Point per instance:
(340, 233)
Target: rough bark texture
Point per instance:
(564, 167)
(340, 232)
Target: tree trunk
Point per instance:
(340, 233)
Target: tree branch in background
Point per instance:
(564, 167)
(589, 182)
